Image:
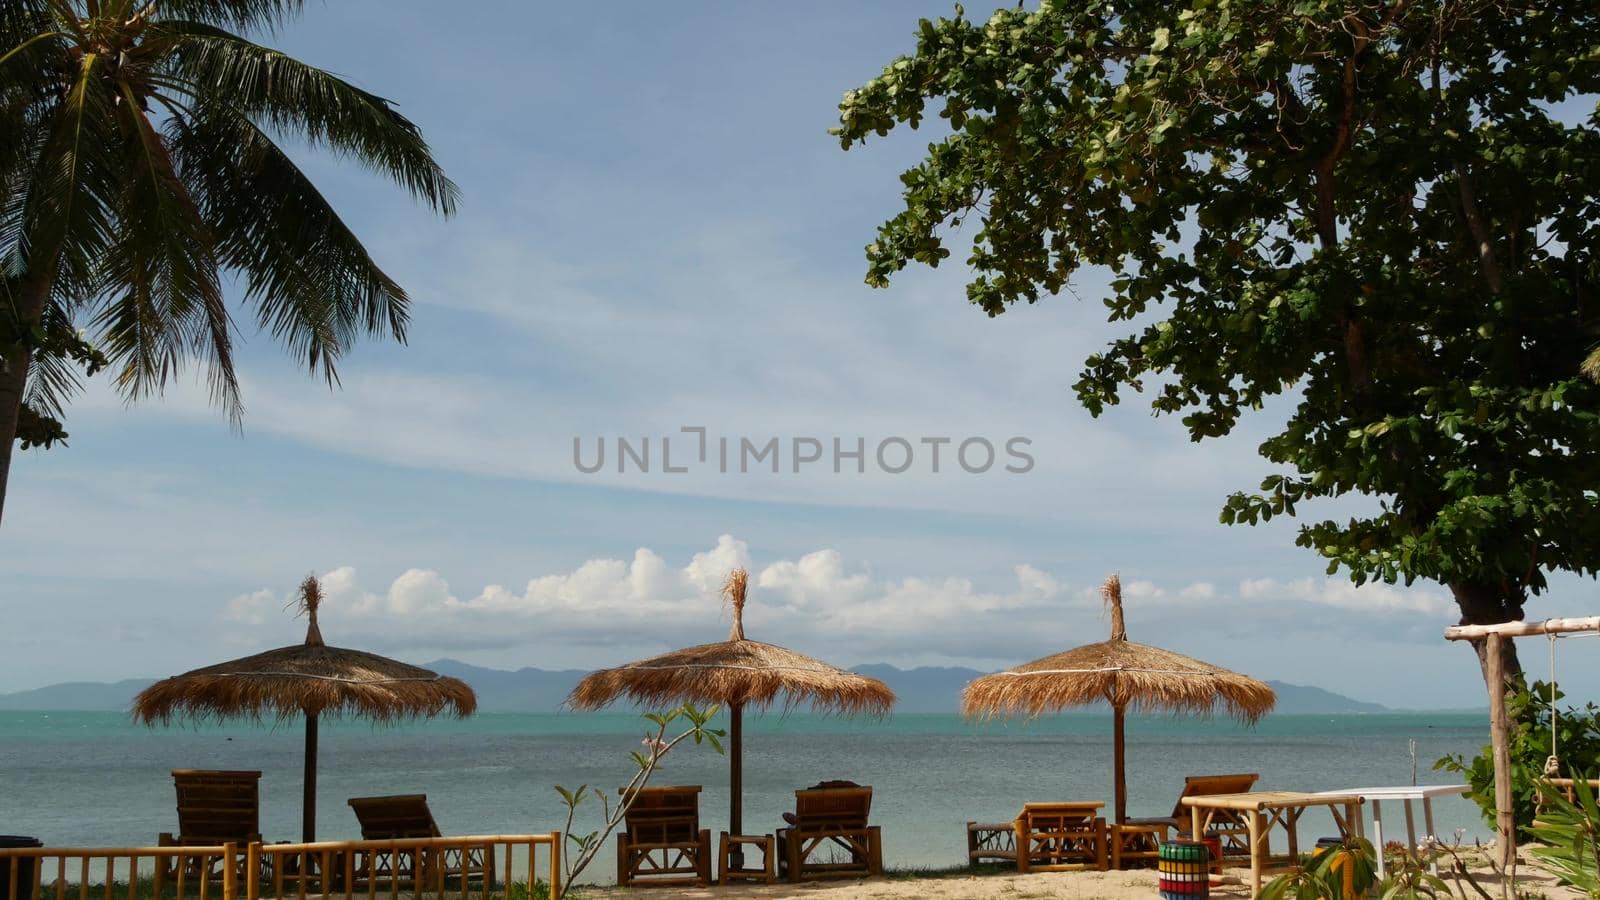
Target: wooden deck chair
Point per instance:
(833, 820)
(1060, 837)
(215, 807)
(661, 842)
(1231, 828)
(403, 816)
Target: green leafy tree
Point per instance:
(141, 158)
(1385, 208)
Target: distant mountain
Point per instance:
(1297, 699)
(524, 690)
(81, 695)
(930, 689)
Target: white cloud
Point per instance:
(819, 602)
(1373, 597)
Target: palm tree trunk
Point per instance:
(29, 311)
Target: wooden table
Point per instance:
(1265, 810)
(1066, 837)
(735, 869)
(1405, 794)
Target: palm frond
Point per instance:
(240, 14)
(52, 377)
(313, 284)
(68, 221)
(296, 98)
(21, 19)
(162, 299)
(23, 138)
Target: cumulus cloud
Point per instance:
(819, 602)
(1344, 594)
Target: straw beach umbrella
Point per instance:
(311, 680)
(735, 673)
(1123, 674)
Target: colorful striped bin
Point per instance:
(1184, 870)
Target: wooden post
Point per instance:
(308, 815)
(736, 780)
(1499, 737)
(555, 867)
(1117, 751)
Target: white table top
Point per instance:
(1404, 792)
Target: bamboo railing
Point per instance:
(187, 870)
(474, 867)
(443, 867)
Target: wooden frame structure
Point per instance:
(830, 817)
(1266, 810)
(324, 871)
(1494, 638)
(1061, 837)
(44, 872)
(662, 842)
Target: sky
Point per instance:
(658, 235)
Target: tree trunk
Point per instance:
(1487, 604)
(33, 291)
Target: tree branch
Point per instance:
(1480, 232)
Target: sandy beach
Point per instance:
(1137, 884)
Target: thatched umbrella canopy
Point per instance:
(735, 673)
(1123, 674)
(311, 680)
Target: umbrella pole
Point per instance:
(1117, 750)
(308, 822)
(736, 780)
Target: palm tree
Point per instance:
(139, 149)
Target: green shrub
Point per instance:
(1568, 829)
(1528, 711)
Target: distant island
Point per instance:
(929, 689)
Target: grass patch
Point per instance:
(956, 871)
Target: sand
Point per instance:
(1137, 883)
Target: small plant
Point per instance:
(1344, 872)
(1412, 879)
(657, 745)
(1568, 829)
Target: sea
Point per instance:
(94, 779)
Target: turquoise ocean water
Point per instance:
(95, 779)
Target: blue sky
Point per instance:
(656, 232)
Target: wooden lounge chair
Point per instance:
(991, 842)
(215, 808)
(829, 837)
(1060, 837)
(1231, 829)
(662, 842)
(407, 816)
